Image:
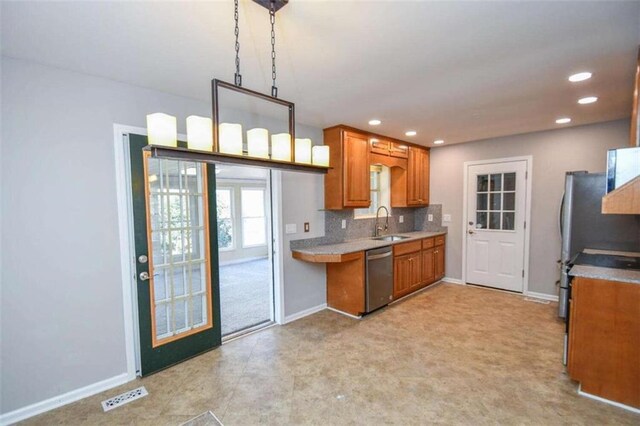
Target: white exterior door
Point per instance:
(495, 228)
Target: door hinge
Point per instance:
(523, 273)
(526, 175)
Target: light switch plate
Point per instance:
(401, 219)
(446, 218)
(290, 228)
(430, 218)
(344, 223)
(306, 227)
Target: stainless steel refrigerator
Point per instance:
(582, 225)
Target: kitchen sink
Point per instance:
(390, 238)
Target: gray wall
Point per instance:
(554, 152)
(62, 312)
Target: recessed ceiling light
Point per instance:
(563, 120)
(438, 142)
(375, 122)
(587, 100)
(411, 133)
(581, 76)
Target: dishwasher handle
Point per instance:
(379, 256)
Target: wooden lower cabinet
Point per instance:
(438, 261)
(428, 266)
(604, 339)
(346, 284)
(407, 274)
(417, 264)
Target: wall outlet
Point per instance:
(344, 223)
(290, 228)
(306, 227)
(446, 218)
(401, 219)
(430, 217)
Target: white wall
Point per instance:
(554, 152)
(62, 311)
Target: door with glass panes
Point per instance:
(176, 257)
(495, 224)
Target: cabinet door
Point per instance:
(424, 177)
(356, 182)
(413, 190)
(439, 262)
(379, 146)
(415, 274)
(428, 266)
(401, 275)
(399, 150)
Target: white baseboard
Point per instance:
(542, 296)
(64, 399)
(453, 281)
(305, 313)
(607, 401)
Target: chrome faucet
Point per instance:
(386, 223)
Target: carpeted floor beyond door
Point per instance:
(245, 295)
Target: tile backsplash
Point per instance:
(415, 219)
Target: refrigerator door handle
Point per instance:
(561, 214)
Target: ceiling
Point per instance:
(458, 71)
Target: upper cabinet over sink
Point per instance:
(354, 151)
(346, 185)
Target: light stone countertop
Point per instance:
(611, 274)
(363, 244)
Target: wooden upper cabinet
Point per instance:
(418, 177)
(347, 183)
(398, 150)
(379, 146)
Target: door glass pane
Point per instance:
(483, 183)
(177, 216)
(509, 181)
(495, 201)
(509, 200)
(494, 220)
(481, 220)
(508, 221)
(496, 182)
(482, 202)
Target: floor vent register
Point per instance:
(124, 398)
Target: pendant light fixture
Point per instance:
(267, 145)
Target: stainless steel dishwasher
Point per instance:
(379, 274)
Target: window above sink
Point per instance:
(380, 183)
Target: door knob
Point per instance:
(144, 276)
(471, 231)
(143, 258)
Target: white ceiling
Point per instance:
(460, 71)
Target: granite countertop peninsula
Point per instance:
(318, 246)
(630, 276)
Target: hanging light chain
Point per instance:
(237, 76)
(272, 19)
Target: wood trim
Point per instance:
(325, 258)
(623, 200)
(345, 285)
(388, 161)
(634, 134)
(205, 212)
(374, 135)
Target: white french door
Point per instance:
(495, 227)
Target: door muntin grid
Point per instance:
(177, 218)
(496, 202)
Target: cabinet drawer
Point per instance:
(440, 240)
(398, 150)
(379, 146)
(428, 243)
(404, 248)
